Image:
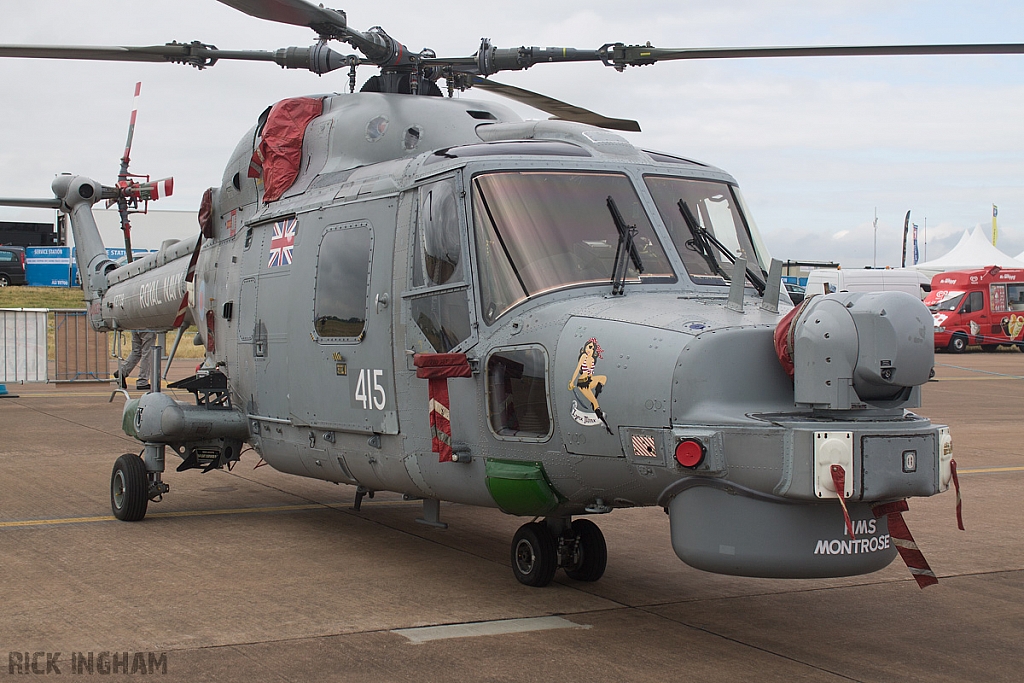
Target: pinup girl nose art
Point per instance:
(589, 385)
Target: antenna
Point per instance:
(874, 251)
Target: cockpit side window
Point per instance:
(438, 246)
(517, 393)
(716, 212)
(438, 298)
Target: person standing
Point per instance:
(142, 349)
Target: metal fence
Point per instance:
(81, 354)
(23, 340)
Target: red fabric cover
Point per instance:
(784, 337)
(279, 154)
(441, 365)
(438, 367)
(206, 213)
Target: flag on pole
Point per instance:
(995, 230)
(906, 225)
(915, 244)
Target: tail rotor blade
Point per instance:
(131, 129)
(150, 191)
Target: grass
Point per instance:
(72, 298)
(41, 297)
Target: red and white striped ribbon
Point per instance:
(438, 367)
(190, 275)
(959, 501)
(904, 542)
(839, 481)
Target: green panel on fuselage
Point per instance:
(520, 488)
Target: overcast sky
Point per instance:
(816, 144)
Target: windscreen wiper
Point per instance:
(703, 241)
(626, 235)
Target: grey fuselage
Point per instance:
(336, 396)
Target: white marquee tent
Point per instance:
(972, 251)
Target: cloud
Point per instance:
(818, 145)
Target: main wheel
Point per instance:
(591, 557)
(4, 280)
(534, 555)
(129, 488)
(958, 343)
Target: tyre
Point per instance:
(4, 280)
(958, 343)
(129, 488)
(534, 555)
(591, 555)
(989, 348)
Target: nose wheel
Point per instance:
(537, 551)
(129, 488)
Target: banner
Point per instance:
(915, 244)
(995, 230)
(48, 266)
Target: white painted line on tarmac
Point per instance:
(987, 470)
(485, 628)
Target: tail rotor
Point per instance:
(129, 191)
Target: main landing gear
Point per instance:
(540, 548)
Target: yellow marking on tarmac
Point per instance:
(976, 379)
(986, 470)
(78, 394)
(196, 513)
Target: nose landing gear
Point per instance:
(129, 488)
(133, 485)
(540, 548)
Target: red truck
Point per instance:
(984, 306)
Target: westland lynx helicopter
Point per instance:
(408, 292)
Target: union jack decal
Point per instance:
(282, 242)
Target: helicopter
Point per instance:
(404, 291)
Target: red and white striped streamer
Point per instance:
(959, 501)
(839, 481)
(190, 275)
(904, 542)
(438, 367)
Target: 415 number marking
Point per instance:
(370, 392)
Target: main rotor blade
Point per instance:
(317, 58)
(563, 110)
(378, 47)
(295, 12)
(491, 60)
(51, 203)
(638, 55)
(196, 54)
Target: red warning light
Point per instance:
(690, 453)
